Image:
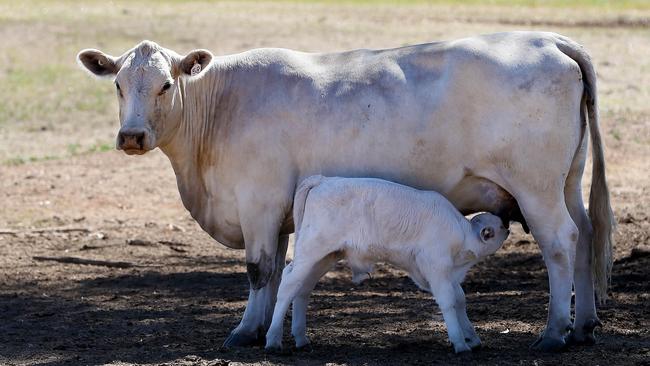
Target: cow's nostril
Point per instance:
(140, 139)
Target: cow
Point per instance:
(366, 220)
(490, 122)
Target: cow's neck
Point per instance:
(194, 147)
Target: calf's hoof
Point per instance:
(462, 349)
(464, 355)
(242, 340)
(586, 335)
(548, 344)
(474, 344)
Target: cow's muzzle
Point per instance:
(132, 140)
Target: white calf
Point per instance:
(366, 220)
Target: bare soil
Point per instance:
(146, 286)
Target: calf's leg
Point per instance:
(471, 338)
(445, 295)
(300, 302)
(294, 280)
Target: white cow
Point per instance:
(366, 220)
(494, 123)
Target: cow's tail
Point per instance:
(600, 209)
(300, 199)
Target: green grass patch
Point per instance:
(100, 148)
(19, 160)
(77, 149)
(72, 150)
(15, 161)
(48, 95)
(45, 75)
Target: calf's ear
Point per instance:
(194, 63)
(487, 233)
(98, 63)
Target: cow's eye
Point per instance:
(165, 87)
(117, 86)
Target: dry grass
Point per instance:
(49, 105)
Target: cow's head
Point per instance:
(147, 87)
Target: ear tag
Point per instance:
(196, 69)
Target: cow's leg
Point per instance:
(585, 305)
(471, 338)
(557, 236)
(261, 301)
(300, 302)
(292, 284)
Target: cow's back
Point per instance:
(427, 115)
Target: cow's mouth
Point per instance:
(134, 151)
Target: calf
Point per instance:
(365, 220)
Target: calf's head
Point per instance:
(488, 234)
(147, 88)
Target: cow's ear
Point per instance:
(98, 63)
(487, 233)
(195, 62)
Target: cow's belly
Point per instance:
(467, 142)
(452, 150)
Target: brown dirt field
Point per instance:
(181, 292)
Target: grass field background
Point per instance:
(51, 109)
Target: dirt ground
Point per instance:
(160, 291)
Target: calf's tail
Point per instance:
(300, 199)
(600, 209)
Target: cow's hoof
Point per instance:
(585, 339)
(586, 336)
(242, 340)
(548, 344)
(277, 350)
(306, 348)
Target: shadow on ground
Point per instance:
(156, 317)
